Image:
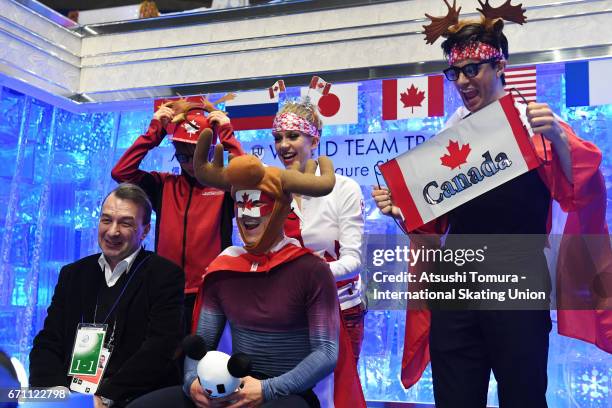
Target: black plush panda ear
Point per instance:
(194, 346)
(239, 365)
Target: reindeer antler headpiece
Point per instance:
(246, 175)
(189, 119)
(491, 19)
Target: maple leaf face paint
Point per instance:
(253, 211)
(253, 203)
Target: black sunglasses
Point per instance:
(469, 70)
(186, 158)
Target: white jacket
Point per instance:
(336, 221)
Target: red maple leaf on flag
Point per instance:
(247, 203)
(412, 97)
(456, 156)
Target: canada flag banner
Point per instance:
(481, 152)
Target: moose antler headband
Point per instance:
(247, 172)
(449, 24)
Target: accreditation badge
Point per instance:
(87, 349)
(88, 384)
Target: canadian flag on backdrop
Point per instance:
(276, 89)
(418, 97)
(338, 106)
(320, 85)
(481, 152)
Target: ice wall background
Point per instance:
(55, 171)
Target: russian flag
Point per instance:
(417, 97)
(252, 110)
(587, 83)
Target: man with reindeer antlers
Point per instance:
(465, 345)
(279, 298)
(193, 221)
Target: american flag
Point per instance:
(522, 79)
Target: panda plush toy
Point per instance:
(218, 372)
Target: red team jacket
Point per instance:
(193, 222)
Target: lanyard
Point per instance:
(120, 294)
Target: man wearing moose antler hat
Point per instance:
(465, 345)
(279, 298)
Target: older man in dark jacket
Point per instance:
(137, 294)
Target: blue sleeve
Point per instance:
(324, 323)
(210, 326)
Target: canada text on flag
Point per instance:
(481, 152)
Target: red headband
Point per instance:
(291, 121)
(474, 50)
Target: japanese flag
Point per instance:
(337, 107)
(481, 152)
(417, 97)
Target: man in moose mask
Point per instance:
(279, 298)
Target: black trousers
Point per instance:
(175, 397)
(188, 311)
(466, 345)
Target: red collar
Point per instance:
(237, 259)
